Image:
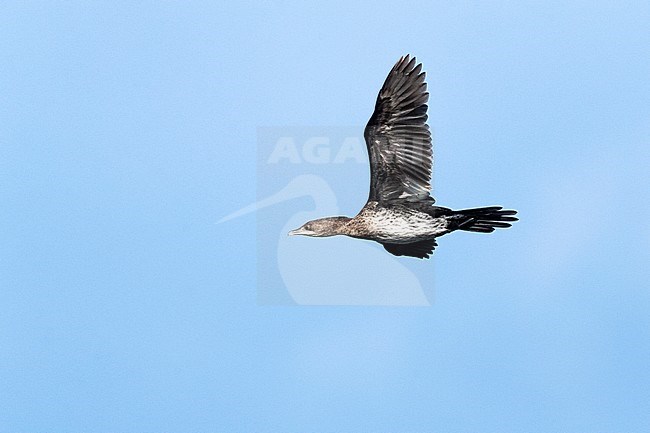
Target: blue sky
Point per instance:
(128, 129)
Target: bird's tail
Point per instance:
(485, 219)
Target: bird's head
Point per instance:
(322, 227)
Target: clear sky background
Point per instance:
(127, 129)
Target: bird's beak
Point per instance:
(300, 231)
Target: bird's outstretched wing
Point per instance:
(398, 138)
(421, 249)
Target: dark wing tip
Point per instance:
(407, 63)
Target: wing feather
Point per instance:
(398, 138)
(421, 249)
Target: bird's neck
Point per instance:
(339, 225)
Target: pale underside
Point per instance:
(396, 224)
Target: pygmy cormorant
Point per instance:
(400, 213)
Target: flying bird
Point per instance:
(400, 213)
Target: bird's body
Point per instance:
(400, 213)
(396, 224)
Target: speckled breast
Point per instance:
(400, 224)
